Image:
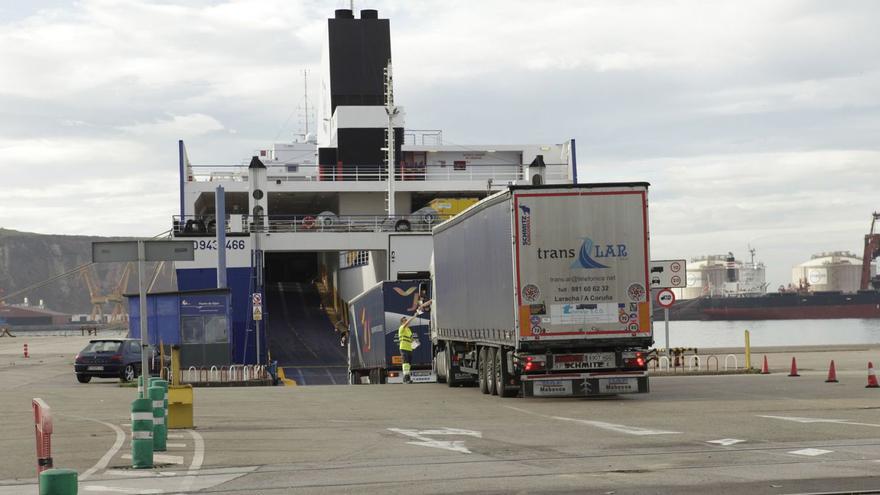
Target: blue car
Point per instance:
(112, 358)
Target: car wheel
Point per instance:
(129, 373)
(83, 378)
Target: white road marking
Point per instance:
(176, 435)
(726, 441)
(197, 460)
(103, 461)
(111, 489)
(175, 445)
(424, 441)
(811, 452)
(162, 458)
(629, 430)
(821, 420)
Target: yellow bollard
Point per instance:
(748, 352)
(180, 397)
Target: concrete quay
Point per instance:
(757, 434)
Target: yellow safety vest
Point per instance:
(404, 334)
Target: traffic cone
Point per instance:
(832, 374)
(872, 378)
(793, 368)
(765, 369)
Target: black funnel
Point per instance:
(256, 163)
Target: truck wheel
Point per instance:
(482, 366)
(450, 372)
(502, 375)
(441, 377)
(491, 382)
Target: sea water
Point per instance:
(703, 334)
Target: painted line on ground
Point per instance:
(797, 419)
(726, 441)
(108, 456)
(197, 460)
(424, 441)
(811, 452)
(175, 445)
(629, 430)
(176, 436)
(162, 458)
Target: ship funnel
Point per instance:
(344, 14)
(730, 264)
(369, 14)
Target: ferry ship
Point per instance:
(310, 225)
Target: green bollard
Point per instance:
(58, 482)
(160, 431)
(164, 385)
(142, 434)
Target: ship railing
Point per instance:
(206, 225)
(497, 173)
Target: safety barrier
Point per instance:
(660, 361)
(735, 361)
(236, 374)
(691, 361)
(43, 430)
(709, 359)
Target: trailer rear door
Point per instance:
(582, 263)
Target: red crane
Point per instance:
(872, 251)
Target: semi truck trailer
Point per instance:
(373, 346)
(544, 291)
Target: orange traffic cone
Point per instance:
(872, 378)
(832, 374)
(765, 369)
(793, 368)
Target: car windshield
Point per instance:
(103, 346)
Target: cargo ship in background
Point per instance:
(831, 285)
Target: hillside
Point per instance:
(27, 259)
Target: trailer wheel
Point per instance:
(491, 382)
(502, 375)
(481, 366)
(450, 372)
(441, 377)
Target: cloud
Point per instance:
(183, 126)
(756, 122)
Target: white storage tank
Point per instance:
(833, 271)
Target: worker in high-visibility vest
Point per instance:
(405, 336)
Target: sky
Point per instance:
(756, 122)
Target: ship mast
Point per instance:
(391, 110)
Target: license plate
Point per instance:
(95, 368)
(552, 388)
(618, 385)
(594, 360)
(423, 377)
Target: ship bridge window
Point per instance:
(292, 169)
(459, 165)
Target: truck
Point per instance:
(544, 291)
(373, 346)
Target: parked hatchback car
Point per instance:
(112, 358)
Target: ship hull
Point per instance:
(777, 307)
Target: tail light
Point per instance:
(78, 359)
(116, 358)
(634, 359)
(535, 363)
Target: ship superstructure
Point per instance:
(310, 225)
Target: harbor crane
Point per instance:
(872, 251)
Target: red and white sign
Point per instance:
(665, 298)
(668, 274)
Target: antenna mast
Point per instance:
(391, 110)
(306, 100)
